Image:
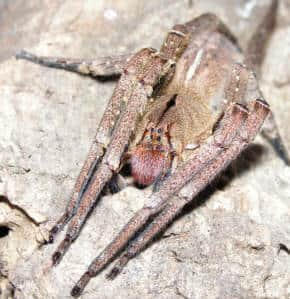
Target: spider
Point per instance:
(179, 116)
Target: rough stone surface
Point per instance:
(234, 244)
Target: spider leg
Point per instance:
(254, 55)
(110, 66)
(106, 66)
(101, 141)
(144, 71)
(232, 120)
(198, 183)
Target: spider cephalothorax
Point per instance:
(196, 100)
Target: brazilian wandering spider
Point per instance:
(179, 116)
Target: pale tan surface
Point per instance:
(227, 248)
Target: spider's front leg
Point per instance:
(229, 126)
(101, 141)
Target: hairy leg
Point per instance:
(101, 141)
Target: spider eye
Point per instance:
(152, 130)
(159, 130)
(158, 138)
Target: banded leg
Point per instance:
(200, 181)
(143, 74)
(102, 139)
(230, 123)
(109, 66)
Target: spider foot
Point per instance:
(58, 226)
(113, 273)
(55, 229)
(56, 258)
(61, 250)
(76, 291)
(81, 284)
(22, 54)
(117, 269)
